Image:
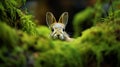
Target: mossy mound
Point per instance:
(94, 48)
(91, 49)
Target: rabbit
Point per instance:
(58, 28)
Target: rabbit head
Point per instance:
(57, 28)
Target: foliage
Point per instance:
(13, 16)
(8, 35)
(27, 23)
(80, 18)
(93, 42)
(24, 44)
(8, 10)
(8, 48)
(95, 14)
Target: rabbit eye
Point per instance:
(63, 29)
(52, 30)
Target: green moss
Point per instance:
(45, 30)
(8, 10)
(13, 16)
(94, 41)
(20, 36)
(8, 36)
(80, 18)
(92, 46)
(9, 41)
(27, 23)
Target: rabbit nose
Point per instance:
(58, 35)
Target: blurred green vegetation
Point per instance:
(95, 14)
(24, 44)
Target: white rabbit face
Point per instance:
(58, 30)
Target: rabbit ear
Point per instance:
(63, 18)
(50, 19)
